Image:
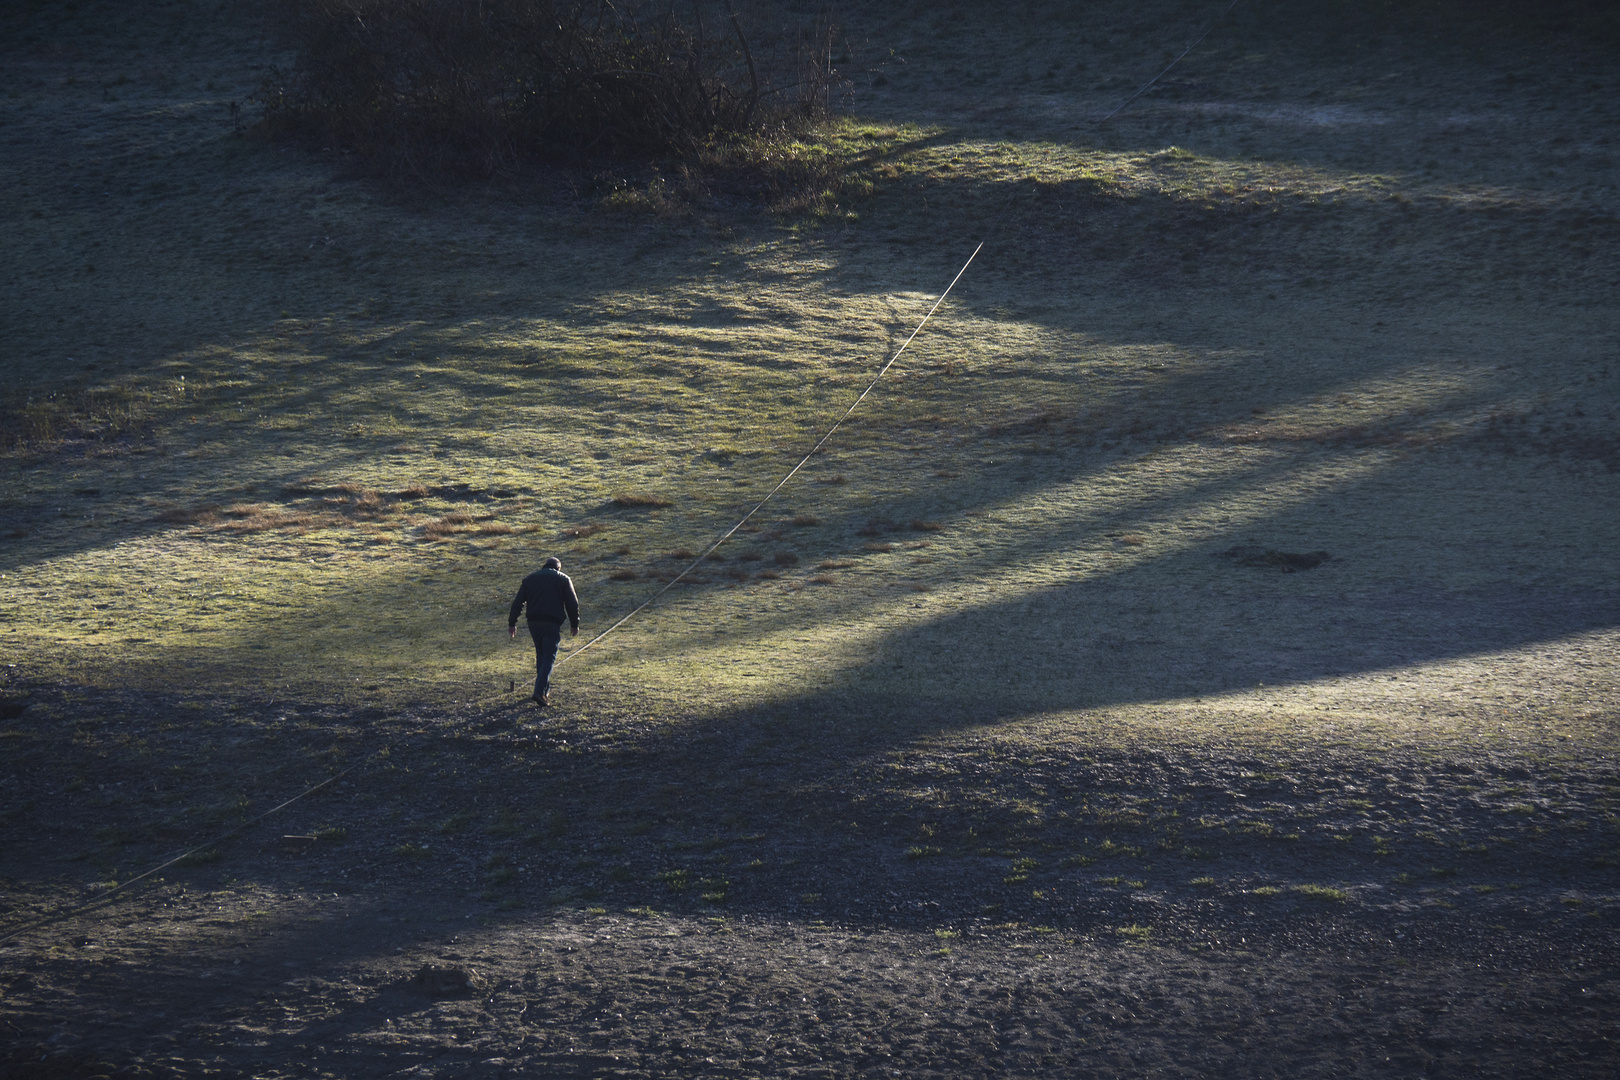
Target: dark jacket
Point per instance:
(550, 596)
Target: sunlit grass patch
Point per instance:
(1322, 892)
(1135, 934)
(666, 381)
(1020, 871)
(675, 880)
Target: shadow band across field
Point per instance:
(736, 864)
(997, 663)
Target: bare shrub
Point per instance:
(104, 414)
(473, 88)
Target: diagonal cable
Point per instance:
(790, 473)
(1143, 88)
(107, 897)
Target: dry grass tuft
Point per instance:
(640, 500)
(259, 517)
(822, 579)
(919, 525)
(580, 532)
(683, 554)
(786, 558)
(835, 564)
(623, 575)
(206, 514)
(878, 545)
(804, 520)
(447, 526)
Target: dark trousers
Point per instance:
(547, 636)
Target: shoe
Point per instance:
(545, 699)
(540, 699)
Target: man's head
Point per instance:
(553, 563)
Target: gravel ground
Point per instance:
(683, 897)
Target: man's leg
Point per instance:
(546, 639)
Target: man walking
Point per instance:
(550, 596)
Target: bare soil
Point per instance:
(633, 898)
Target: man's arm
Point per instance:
(512, 616)
(571, 602)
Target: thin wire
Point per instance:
(106, 897)
(990, 233)
(1143, 88)
(995, 226)
(791, 472)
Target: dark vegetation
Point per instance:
(479, 89)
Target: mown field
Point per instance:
(999, 742)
